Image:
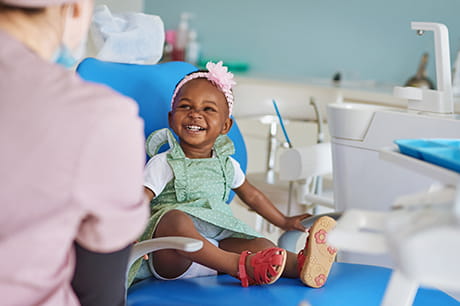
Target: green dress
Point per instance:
(200, 188)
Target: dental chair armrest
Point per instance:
(288, 240)
(178, 243)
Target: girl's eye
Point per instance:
(209, 109)
(183, 106)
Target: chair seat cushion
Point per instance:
(348, 284)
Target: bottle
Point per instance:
(192, 51)
(178, 53)
(170, 38)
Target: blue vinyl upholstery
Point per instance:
(348, 284)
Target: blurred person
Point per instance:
(71, 164)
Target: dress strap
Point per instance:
(159, 138)
(224, 148)
(175, 158)
(180, 177)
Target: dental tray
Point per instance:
(441, 152)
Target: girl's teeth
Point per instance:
(194, 128)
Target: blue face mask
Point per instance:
(65, 57)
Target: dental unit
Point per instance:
(399, 211)
(360, 131)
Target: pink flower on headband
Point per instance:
(219, 75)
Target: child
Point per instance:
(189, 184)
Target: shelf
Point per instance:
(440, 174)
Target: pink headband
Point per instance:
(218, 75)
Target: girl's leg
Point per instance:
(239, 245)
(172, 263)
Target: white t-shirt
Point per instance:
(158, 173)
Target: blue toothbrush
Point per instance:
(282, 123)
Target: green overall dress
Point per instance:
(200, 188)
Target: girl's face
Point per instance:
(199, 115)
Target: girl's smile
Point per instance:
(194, 128)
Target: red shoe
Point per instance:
(268, 266)
(315, 261)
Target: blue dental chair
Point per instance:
(151, 86)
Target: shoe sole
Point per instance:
(319, 255)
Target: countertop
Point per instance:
(254, 95)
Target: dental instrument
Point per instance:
(306, 167)
(280, 119)
(288, 141)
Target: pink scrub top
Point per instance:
(71, 168)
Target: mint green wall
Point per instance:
(301, 39)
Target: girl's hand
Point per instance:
(294, 223)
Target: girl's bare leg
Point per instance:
(238, 245)
(172, 263)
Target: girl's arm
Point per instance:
(149, 194)
(256, 200)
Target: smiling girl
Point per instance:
(188, 187)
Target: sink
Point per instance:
(352, 120)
